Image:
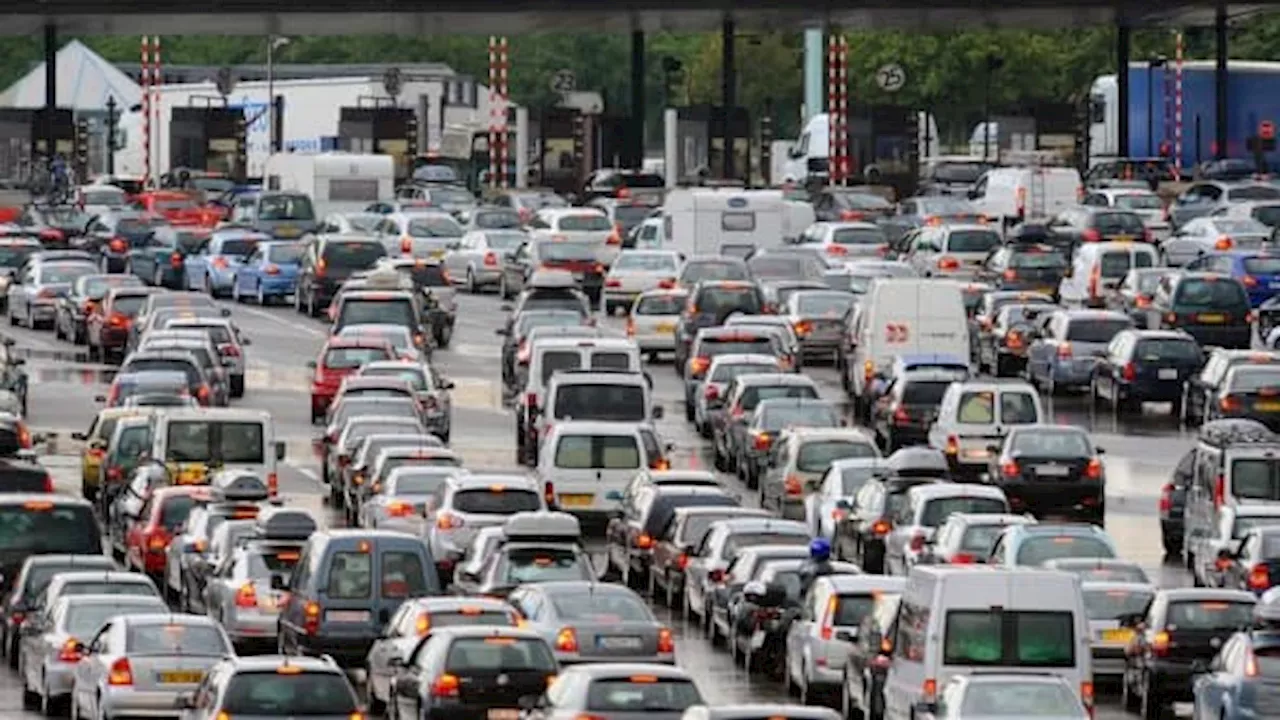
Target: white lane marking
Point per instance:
(468, 350)
(295, 324)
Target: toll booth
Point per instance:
(699, 149)
(884, 147)
(210, 138)
(1037, 126)
(23, 138)
(381, 130)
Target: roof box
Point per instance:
(542, 527)
(238, 486)
(285, 524)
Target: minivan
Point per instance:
(585, 466)
(346, 586)
(975, 415)
(1099, 268)
(192, 441)
(1236, 462)
(958, 621)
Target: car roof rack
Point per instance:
(238, 486)
(286, 524)
(542, 527)
(1236, 431)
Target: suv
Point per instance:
(1234, 463)
(710, 303)
(1145, 366)
(327, 262)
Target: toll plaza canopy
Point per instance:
(489, 17)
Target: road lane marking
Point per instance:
(294, 324)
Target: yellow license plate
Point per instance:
(1211, 318)
(665, 328)
(577, 500)
(437, 254)
(1123, 238)
(1268, 406)
(286, 231)
(1120, 635)
(188, 474)
(186, 677)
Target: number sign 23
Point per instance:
(896, 334)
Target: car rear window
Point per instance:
(721, 300)
(176, 639)
(1037, 260)
(752, 396)
(1210, 293)
(349, 358)
(605, 402)
(530, 565)
(939, 509)
(597, 452)
(500, 501)
(1209, 615)
(1020, 699)
(1115, 265)
(84, 620)
(217, 440)
(1050, 443)
(1252, 380)
(109, 587)
(1041, 549)
(268, 562)
(584, 223)
(1167, 349)
(370, 311)
(712, 346)
(859, 236)
(1256, 478)
(666, 304)
(724, 372)
(643, 694)
(175, 509)
(554, 361)
(273, 694)
(972, 241)
(1023, 638)
(1114, 604)
(816, 456)
(741, 541)
(851, 609)
(608, 608)
(700, 271)
(493, 654)
(1118, 222)
(353, 255)
(979, 539)
(350, 575)
(1095, 331)
(610, 361)
(808, 414)
(46, 527)
(919, 392)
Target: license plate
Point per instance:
(1213, 318)
(1124, 238)
(185, 677)
(665, 328)
(577, 500)
(1047, 290)
(437, 254)
(1119, 635)
(1168, 374)
(979, 454)
(286, 231)
(618, 643)
(757, 640)
(504, 714)
(1053, 470)
(348, 616)
(1268, 406)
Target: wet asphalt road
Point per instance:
(1141, 452)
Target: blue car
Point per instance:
(1239, 683)
(213, 269)
(1258, 271)
(270, 272)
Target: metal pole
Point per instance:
(1177, 105)
(729, 93)
(156, 81)
(1150, 120)
(637, 99)
(1122, 90)
(271, 95)
(493, 111)
(833, 103)
(1220, 83)
(146, 111)
(50, 88)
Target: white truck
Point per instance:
(337, 182)
(702, 220)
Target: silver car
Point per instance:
(638, 271)
(476, 260)
(585, 621)
(33, 295)
(223, 543)
(389, 459)
(352, 223)
(193, 541)
(419, 234)
(1206, 235)
(97, 582)
(246, 594)
(139, 664)
(819, 318)
(1107, 605)
(471, 502)
(924, 509)
(982, 695)
(621, 690)
(433, 390)
(413, 623)
(400, 501)
(724, 368)
(51, 642)
(226, 337)
(653, 320)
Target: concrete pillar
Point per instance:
(813, 63)
(729, 93)
(50, 86)
(636, 151)
(1220, 83)
(1123, 47)
(670, 147)
(522, 147)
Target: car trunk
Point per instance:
(499, 688)
(618, 639)
(22, 477)
(169, 672)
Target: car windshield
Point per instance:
(1037, 260)
(12, 254)
(219, 440)
(1254, 192)
(939, 509)
(925, 392)
(353, 255)
(565, 251)
(175, 639)
(724, 372)
(1048, 443)
(1268, 215)
(979, 539)
(1114, 604)
(108, 198)
(1038, 550)
(57, 274)
(972, 241)
(531, 565)
(1139, 201)
(816, 456)
(497, 220)
(505, 241)
(435, 227)
(1255, 379)
(609, 608)
(1241, 227)
(394, 310)
(722, 299)
(584, 223)
(349, 358)
(84, 620)
(498, 500)
(646, 262)
(597, 452)
(1170, 349)
(642, 694)
(779, 266)
(799, 415)
(1014, 699)
(289, 694)
(1110, 223)
(824, 304)
(664, 304)
(285, 207)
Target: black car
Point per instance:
(835, 204)
(710, 303)
(327, 262)
(1091, 225)
(1182, 629)
(116, 234)
(44, 524)
(1173, 503)
(1206, 392)
(1027, 267)
(74, 308)
(1212, 308)
(1254, 564)
(860, 535)
(902, 416)
(55, 226)
(1145, 366)
(1051, 471)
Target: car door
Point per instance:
(904, 521)
(799, 635)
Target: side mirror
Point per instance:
(658, 412)
(502, 332)
(311, 364)
(280, 450)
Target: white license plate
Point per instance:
(504, 714)
(348, 616)
(619, 643)
(757, 640)
(1168, 374)
(1053, 470)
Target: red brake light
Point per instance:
(491, 259)
(1130, 372)
(1259, 577)
(1166, 497)
(567, 641)
(712, 392)
(963, 559)
(666, 641)
(70, 652)
(1219, 491)
(1160, 643)
(446, 686)
(247, 596)
(1091, 235)
(116, 245)
(901, 416)
(272, 270)
(1010, 469)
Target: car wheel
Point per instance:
(297, 298)
(503, 292)
(262, 296)
(471, 282)
(157, 278)
(235, 291)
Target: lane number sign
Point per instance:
(891, 77)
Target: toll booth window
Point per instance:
(286, 207)
(402, 575)
(350, 575)
(738, 221)
(1256, 478)
(353, 190)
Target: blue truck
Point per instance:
(1253, 97)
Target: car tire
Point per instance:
(157, 277)
(1151, 708)
(235, 291)
(262, 298)
(504, 293)
(471, 285)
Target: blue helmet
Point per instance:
(820, 549)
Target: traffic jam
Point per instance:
(749, 455)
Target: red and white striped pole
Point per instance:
(504, 100)
(842, 107)
(493, 111)
(1178, 51)
(156, 82)
(833, 105)
(146, 111)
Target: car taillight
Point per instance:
(272, 270)
(615, 237)
(203, 394)
(311, 618)
(1010, 469)
(1091, 235)
(917, 542)
(901, 416)
(948, 263)
(531, 401)
(711, 392)
(1086, 695)
(929, 690)
(446, 686)
(229, 351)
(220, 263)
(158, 540)
(121, 673)
(1142, 301)
(613, 283)
(1223, 243)
(953, 445)
(400, 509)
(1095, 283)
(682, 562)
(115, 473)
(247, 596)
(1249, 281)
(1064, 351)
(1093, 470)
(175, 260)
(116, 245)
(422, 624)
(761, 441)
(699, 365)
(837, 250)
(1013, 340)
(1010, 274)
(666, 283)
(666, 641)
(448, 521)
(1130, 372)
(1219, 491)
(1166, 497)
(70, 652)
(793, 486)
(322, 267)
(1230, 403)
(716, 576)
(567, 641)
(963, 559)
(828, 629)
(1259, 577)
(406, 245)
(52, 234)
(47, 293)
(48, 483)
(803, 327)
(1160, 644)
(659, 463)
(118, 320)
(881, 527)
(549, 493)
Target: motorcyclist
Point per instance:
(818, 565)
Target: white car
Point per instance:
(831, 502)
(581, 225)
(420, 234)
(847, 240)
(636, 271)
(653, 320)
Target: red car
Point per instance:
(147, 539)
(179, 208)
(107, 324)
(339, 358)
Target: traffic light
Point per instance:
(411, 134)
(81, 144)
(579, 140)
(242, 148)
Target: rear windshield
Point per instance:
(472, 617)
(1115, 604)
(1095, 331)
(818, 455)
(353, 255)
(1037, 260)
(223, 440)
(1215, 294)
(1254, 192)
(175, 509)
(128, 305)
(47, 528)
(712, 346)
(830, 305)
(11, 256)
(266, 563)
(349, 358)
(1255, 379)
(799, 415)
(108, 587)
(1039, 550)
(584, 223)
(434, 227)
(779, 266)
(606, 402)
(499, 220)
(285, 207)
(724, 372)
(496, 502)
(851, 609)
(275, 694)
(1256, 478)
(237, 248)
(566, 251)
(1118, 222)
(1016, 699)
(643, 694)
(610, 361)
(493, 654)
(1023, 638)
(1268, 215)
(721, 300)
(608, 608)
(1049, 443)
(393, 311)
(646, 261)
(423, 484)
(84, 620)
(859, 236)
(1016, 408)
(751, 397)
(597, 452)
(530, 565)
(53, 274)
(1209, 615)
(1115, 265)
(667, 304)
(1244, 524)
(972, 241)
(555, 361)
(924, 393)
(284, 254)
(1139, 202)
(1263, 265)
(979, 539)
(741, 541)
(1170, 349)
(697, 272)
(175, 639)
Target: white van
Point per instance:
(585, 466)
(962, 620)
(975, 414)
(700, 220)
(1009, 195)
(1099, 268)
(193, 442)
(337, 182)
(807, 160)
(903, 316)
